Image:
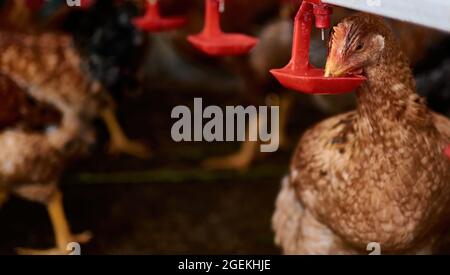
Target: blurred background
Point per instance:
(180, 201)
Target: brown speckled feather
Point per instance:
(18, 109)
(45, 97)
(377, 174)
(52, 70)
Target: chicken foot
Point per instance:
(238, 161)
(63, 236)
(120, 143)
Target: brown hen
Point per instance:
(272, 50)
(37, 138)
(53, 71)
(377, 174)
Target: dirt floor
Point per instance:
(165, 205)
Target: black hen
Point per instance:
(113, 47)
(433, 77)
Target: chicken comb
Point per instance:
(339, 31)
(447, 151)
(338, 34)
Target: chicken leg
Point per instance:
(238, 161)
(285, 101)
(242, 159)
(63, 236)
(249, 149)
(120, 143)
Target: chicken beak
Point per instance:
(332, 68)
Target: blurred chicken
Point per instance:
(275, 41)
(377, 174)
(104, 62)
(112, 47)
(432, 78)
(38, 135)
(49, 99)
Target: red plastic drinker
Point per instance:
(213, 41)
(299, 74)
(152, 21)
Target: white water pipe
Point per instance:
(430, 13)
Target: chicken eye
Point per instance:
(359, 47)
